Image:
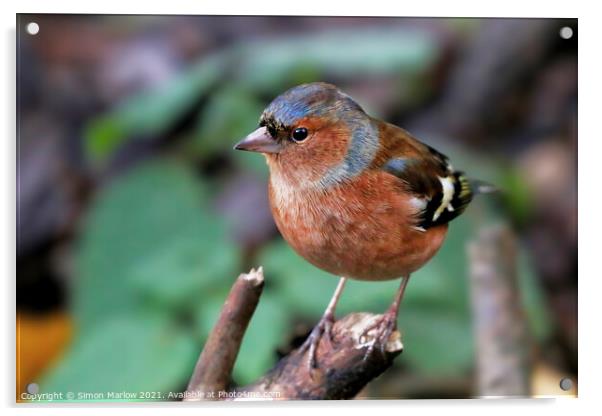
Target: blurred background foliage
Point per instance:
(135, 216)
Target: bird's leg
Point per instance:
(323, 327)
(387, 322)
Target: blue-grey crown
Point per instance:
(314, 99)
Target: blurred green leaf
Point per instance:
(270, 65)
(230, 114)
(532, 298)
(151, 113)
(152, 355)
(149, 235)
(266, 331)
(435, 342)
(207, 312)
(183, 271)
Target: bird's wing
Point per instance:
(440, 192)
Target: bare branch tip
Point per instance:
(394, 343)
(255, 277)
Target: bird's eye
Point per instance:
(299, 134)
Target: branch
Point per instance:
(213, 369)
(342, 371)
(502, 335)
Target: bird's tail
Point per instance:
(482, 187)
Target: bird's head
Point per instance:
(314, 134)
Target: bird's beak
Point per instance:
(259, 141)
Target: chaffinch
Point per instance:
(355, 196)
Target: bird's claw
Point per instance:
(384, 326)
(323, 329)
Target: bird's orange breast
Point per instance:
(362, 229)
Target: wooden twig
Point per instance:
(501, 330)
(214, 366)
(342, 370)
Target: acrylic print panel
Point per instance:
(136, 215)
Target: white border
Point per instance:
(590, 295)
(508, 8)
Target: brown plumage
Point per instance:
(363, 230)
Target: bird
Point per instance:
(355, 196)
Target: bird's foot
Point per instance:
(323, 329)
(383, 327)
